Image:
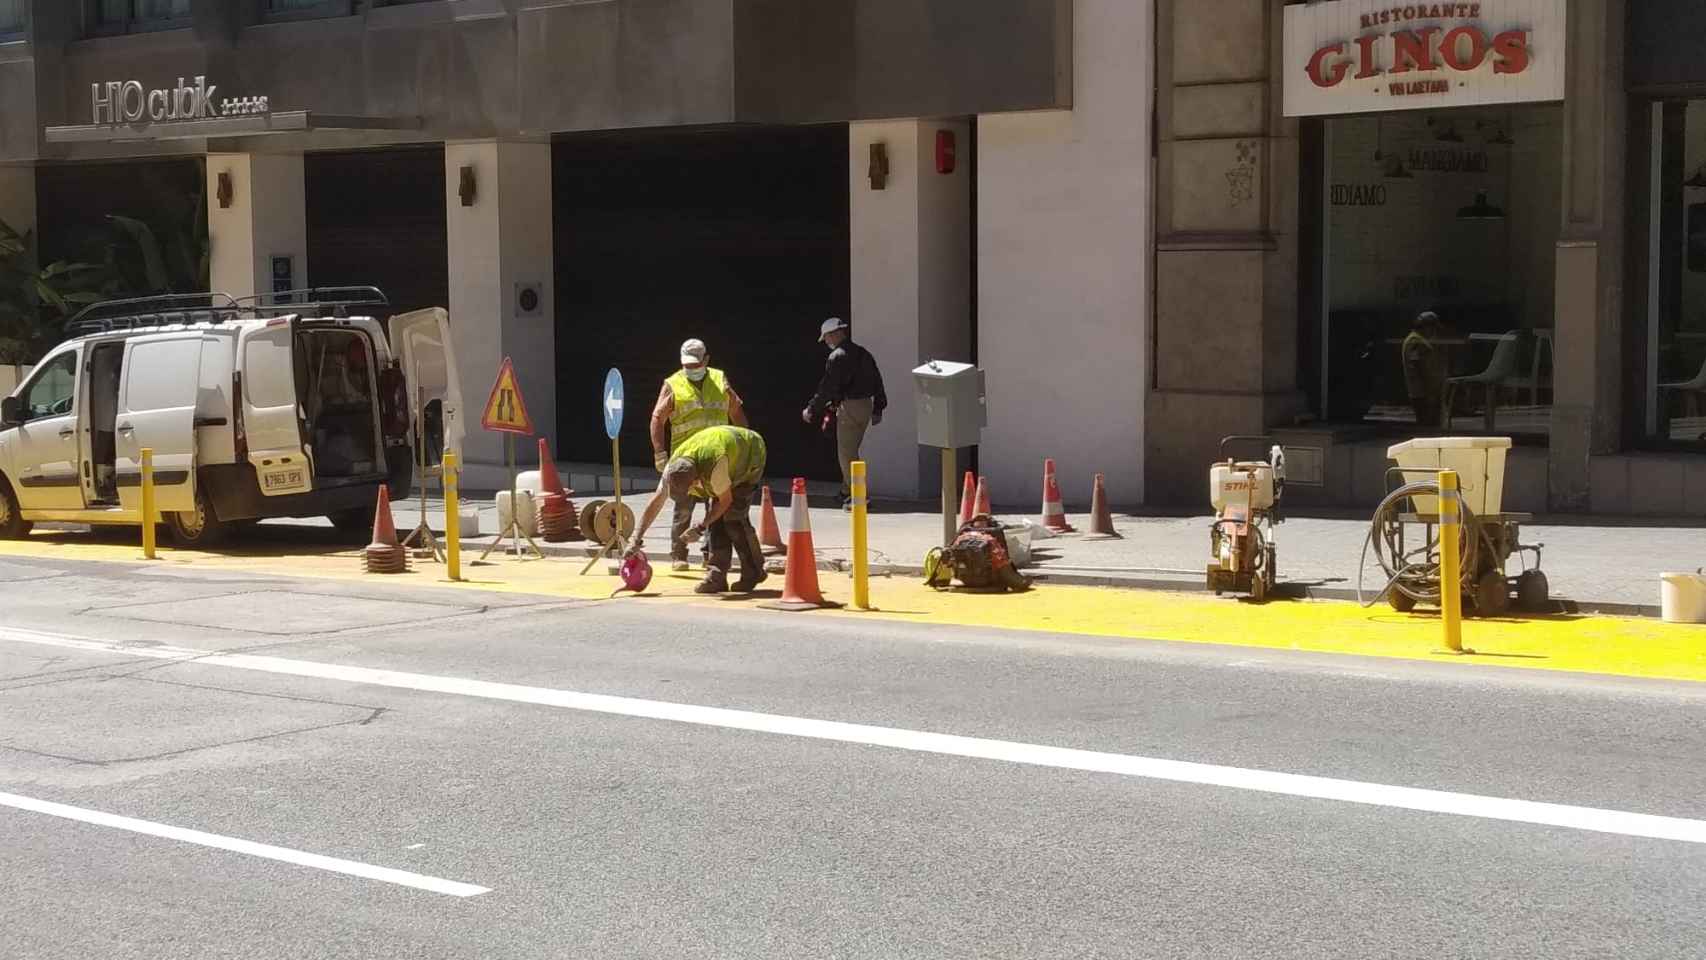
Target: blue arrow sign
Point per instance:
(613, 403)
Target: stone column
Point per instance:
(911, 283)
(1226, 204)
(500, 245)
(263, 217)
(1587, 409)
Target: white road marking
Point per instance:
(250, 847)
(1593, 819)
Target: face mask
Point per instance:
(696, 375)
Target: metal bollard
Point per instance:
(1450, 577)
(452, 517)
(148, 503)
(861, 563)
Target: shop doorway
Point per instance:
(377, 218)
(1453, 213)
(1674, 385)
(739, 237)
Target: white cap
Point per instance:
(830, 326)
(693, 351)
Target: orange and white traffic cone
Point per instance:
(558, 522)
(1101, 520)
(968, 498)
(799, 585)
(1054, 515)
(982, 509)
(384, 554)
(769, 534)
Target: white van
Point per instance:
(252, 412)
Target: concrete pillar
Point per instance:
(263, 218)
(500, 245)
(1588, 374)
(1063, 245)
(912, 285)
(1227, 239)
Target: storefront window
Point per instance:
(1438, 269)
(1676, 332)
(132, 16)
(11, 18)
(302, 9)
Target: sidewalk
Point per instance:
(1595, 565)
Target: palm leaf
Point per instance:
(153, 263)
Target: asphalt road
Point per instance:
(448, 741)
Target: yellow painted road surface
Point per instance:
(1586, 644)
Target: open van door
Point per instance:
(270, 409)
(423, 345)
(156, 410)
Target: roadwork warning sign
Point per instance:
(506, 412)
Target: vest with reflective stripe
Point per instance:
(744, 449)
(697, 405)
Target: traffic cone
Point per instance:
(769, 534)
(558, 522)
(799, 585)
(982, 509)
(1101, 521)
(968, 499)
(384, 554)
(1054, 515)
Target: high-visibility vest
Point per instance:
(697, 405)
(744, 449)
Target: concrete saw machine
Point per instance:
(1246, 496)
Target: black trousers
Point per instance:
(733, 534)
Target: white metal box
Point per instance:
(1479, 462)
(952, 411)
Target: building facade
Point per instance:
(1533, 172)
(585, 185)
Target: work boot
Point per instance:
(716, 581)
(750, 578)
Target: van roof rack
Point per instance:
(313, 301)
(152, 311)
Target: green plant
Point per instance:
(36, 302)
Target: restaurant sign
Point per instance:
(1364, 56)
(129, 102)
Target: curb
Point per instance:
(1165, 581)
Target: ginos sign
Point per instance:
(1357, 56)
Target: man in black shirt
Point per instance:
(853, 386)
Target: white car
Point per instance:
(251, 412)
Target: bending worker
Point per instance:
(853, 385)
(693, 398)
(723, 465)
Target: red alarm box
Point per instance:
(945, 151)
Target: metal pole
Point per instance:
(148, 503)
(861, 562)
(1450, 577)
(950, 514)
(452, 516)
(514, 504)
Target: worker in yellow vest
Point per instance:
(694, 398)
(723, 465)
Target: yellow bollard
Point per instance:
(452, 518)
(148, 503)
(861, 564)
(1450, 577)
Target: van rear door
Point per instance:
(271, 409)
(423, 345)
(156, 410)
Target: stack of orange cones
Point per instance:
(1101, 520)
(982, 509)
(799, 585)
(1054, 514)
(384, 554)
(968, 499)
(769, 534)
(558, 522)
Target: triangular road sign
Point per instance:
(506, 412)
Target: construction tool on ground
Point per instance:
(1405, 532)
(421, 539)
(1246, 494)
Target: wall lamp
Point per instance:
(466, 189)
(224, 190)
(879, 169)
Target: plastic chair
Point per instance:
(1690, 389)
(1500, 370)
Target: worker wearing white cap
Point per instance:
(852, 386)
(694, 398)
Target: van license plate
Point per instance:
(281, 481)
